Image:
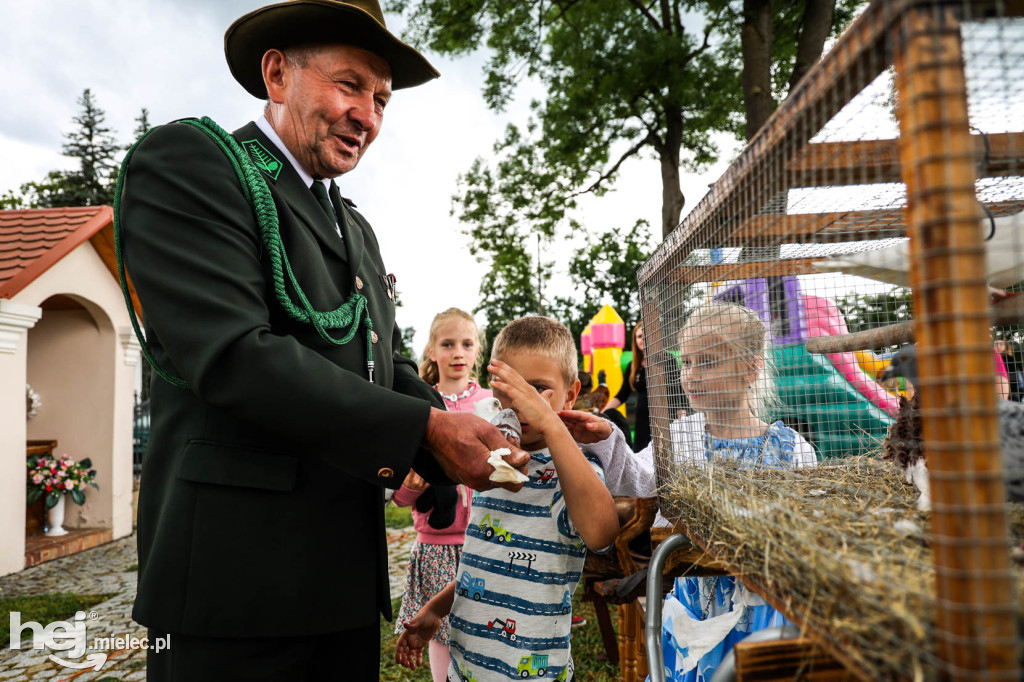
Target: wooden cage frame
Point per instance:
(937, 158)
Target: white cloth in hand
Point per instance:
(503, 471)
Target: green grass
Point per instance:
(397, 517)
(45, 609)
(587, 650)
(133, 567)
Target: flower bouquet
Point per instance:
(54, 476)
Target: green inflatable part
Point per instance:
(825, 407)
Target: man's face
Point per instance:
(332, 107)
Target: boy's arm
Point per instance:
(587, 500)
(422, 627)
(442, 602)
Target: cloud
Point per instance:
(168, 57)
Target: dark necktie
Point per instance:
(320, 192)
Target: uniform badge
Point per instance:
(264, 160)
(389, 285)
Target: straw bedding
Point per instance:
(841, 546)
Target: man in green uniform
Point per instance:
(285, 409)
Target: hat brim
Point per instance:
(307, 22)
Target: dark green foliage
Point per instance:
(397, 517)
(621, 80)
(92, 184)
(870, 311)
(45, 608)
(10, 200)
(605, 272)
(406, 349)
(142, 125)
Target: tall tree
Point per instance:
(779, 45)
(605, 271)
(622, 79)
(93, 145)
(142, 124)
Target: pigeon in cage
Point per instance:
(905, 446)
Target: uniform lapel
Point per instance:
(290, 186)
(349, 227)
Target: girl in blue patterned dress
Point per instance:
(727, 376)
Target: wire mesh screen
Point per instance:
(834, 349)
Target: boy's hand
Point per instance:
(415, 482)
(586, 427)
(418, 631)
(532, 407)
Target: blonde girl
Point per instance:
(727, 375)
(450, 363)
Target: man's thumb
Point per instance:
(519, 458)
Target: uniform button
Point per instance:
(386, 473)
(373, 336)
(359, 283)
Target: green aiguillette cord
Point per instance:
(350, 316)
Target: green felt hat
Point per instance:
(302, 22)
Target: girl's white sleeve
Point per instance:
(626, 473)
(803, 453)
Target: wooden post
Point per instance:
(974, 586)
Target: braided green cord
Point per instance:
(352, 314)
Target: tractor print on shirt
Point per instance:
(492, 529)
(506, 628)
(466, 674)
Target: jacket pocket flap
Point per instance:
(236, 465)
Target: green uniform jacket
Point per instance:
(260, 510)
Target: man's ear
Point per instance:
(274, 67)
(571, 395)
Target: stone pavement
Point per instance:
(110, 569)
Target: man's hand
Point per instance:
(417, 634)
(462, 442)
(586, 427)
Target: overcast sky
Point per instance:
(167, 56)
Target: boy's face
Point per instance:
(543, 374)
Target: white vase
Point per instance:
(55, 517)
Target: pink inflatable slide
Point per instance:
(824, 319)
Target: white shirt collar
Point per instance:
(263, 124)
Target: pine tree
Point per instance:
(95, 148)
(142, 125)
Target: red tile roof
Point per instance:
(33, 240)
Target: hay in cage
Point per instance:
(874, 229)
(842, 546)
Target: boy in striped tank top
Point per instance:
(511, 602)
